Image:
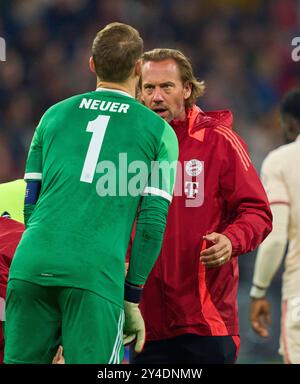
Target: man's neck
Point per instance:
(128, 87)
(180, 118)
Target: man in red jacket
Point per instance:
(10, 235)
(219, 211)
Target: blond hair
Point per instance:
(185, 69)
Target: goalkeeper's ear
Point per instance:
(92, 64)
(138, 68)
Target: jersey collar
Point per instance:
(100, 89)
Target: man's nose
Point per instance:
(157, 96)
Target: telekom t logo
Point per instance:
(193, 186)
(191, 189)
(2, 49)
(296, 50)
(2, 309)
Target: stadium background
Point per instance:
(241, 48)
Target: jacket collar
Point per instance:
(198, 121)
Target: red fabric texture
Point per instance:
(181, 295)
(10, 234)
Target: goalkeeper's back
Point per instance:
(66, 281)
(79, 230)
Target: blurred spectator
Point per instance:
(241, 48)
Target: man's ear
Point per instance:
(187, 90)
(138, 68)
(140, 96)
(92, 64)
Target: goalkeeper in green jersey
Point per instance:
(66, 284)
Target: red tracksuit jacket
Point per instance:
(181, 295)
(10, 234)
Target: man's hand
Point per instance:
(134, 327)
(59, 358)
(126, 268)
(260, 316)
(219, 253)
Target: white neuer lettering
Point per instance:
(103, 105)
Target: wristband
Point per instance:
(132, 292)
(258, 292)
(32, 191)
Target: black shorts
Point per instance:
(189, 348)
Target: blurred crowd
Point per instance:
(241, 48)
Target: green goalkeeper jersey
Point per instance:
(96, 155)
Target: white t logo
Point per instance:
(191, 189)
(296, 51)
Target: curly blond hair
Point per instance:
(185, 69)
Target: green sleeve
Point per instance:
(151, 220)
(147, 242)
(33, 169)
(34, 165)
(163, 171)
(28, 209)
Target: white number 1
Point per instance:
(98, 128)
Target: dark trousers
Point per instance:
(189, 348)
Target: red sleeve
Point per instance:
(10, 234)
(247, 202)
(5, 262)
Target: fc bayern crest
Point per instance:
(193, 167)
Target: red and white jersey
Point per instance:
(217, 190)
(10, 234)
(281, 178)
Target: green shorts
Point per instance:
(40, 318)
